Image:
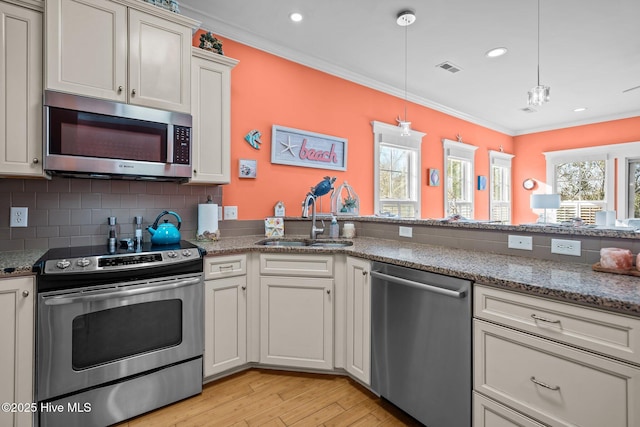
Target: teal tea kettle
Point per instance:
(165, 233)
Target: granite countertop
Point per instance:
(576, 283)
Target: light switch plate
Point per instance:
(520, 242)
(19, 217)
(230, 212)
(566, 247)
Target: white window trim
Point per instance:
(612, 154)
(499, 158)
(390, 135)
(463, 151)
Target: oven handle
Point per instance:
(74, 298)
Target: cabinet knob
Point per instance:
(120, 89)
(244, 288)
(35, 161)
(25, 293)
(364, 272)
(133, 92)
(195, 171)
(328, 291)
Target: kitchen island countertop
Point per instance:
(568, 282)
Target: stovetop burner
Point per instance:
(81, 265)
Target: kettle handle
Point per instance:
(163, 213)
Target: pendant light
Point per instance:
(539, 94)
(404, 19)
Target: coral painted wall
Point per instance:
(268, 90)
(530, 162)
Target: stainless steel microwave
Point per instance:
(88, 137)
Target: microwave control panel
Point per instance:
(181, 145)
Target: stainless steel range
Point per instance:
(117, 334)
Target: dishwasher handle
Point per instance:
(418, 285)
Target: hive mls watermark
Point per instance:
(70, 407)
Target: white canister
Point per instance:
(349, 230)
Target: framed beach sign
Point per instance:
(296, 147)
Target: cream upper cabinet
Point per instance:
(126, 51)
(211, 111)
(16, 357)
(20, 90)
(358, 284)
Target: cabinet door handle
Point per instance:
(120, 89)
(544, 319)
(547, 386)
(228, 267)
(25, 293)
(35, 161)
(133, 92)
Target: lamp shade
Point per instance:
(545, 201)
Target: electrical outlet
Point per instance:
(19, 217)
(405, 231)
(230, 212)
(520, 242)
(566, 247)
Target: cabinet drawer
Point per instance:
(608, 333)
(488, 413)
(554, 383)
(297, 265)
(225, 266)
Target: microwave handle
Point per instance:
(109, 294)
(170, 143)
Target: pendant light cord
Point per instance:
(406, 54)
(538, 42)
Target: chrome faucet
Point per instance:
(310, 199)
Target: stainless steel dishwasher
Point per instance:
(421, 343)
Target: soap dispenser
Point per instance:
(334, 228)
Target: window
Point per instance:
(396, 171)
(458, 178)
(500, 186)
(586, 180)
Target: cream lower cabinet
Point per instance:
(16, 357)
(358, 319)
(296, 310)
(522, 362)
(211, 111)
(20, 90)
(225, 328)
(126, 51)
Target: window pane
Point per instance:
(395, 167)
(634, 189)
(581, 186)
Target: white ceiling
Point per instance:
(589, 52)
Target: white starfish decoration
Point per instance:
(288, 146)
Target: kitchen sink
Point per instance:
(318, 243)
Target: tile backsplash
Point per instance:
(73, 212)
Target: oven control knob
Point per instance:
(186, 253)
(63, 264)
(172, 254)
(83, 262)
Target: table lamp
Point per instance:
(545, 201)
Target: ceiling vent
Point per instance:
(448, 66)
(529, 110)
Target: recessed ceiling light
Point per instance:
(579, 109)
(295, 16)
(496, 52)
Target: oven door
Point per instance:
(93, 336)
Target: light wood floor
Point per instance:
(259, 397)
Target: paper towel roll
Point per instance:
(207, 220)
